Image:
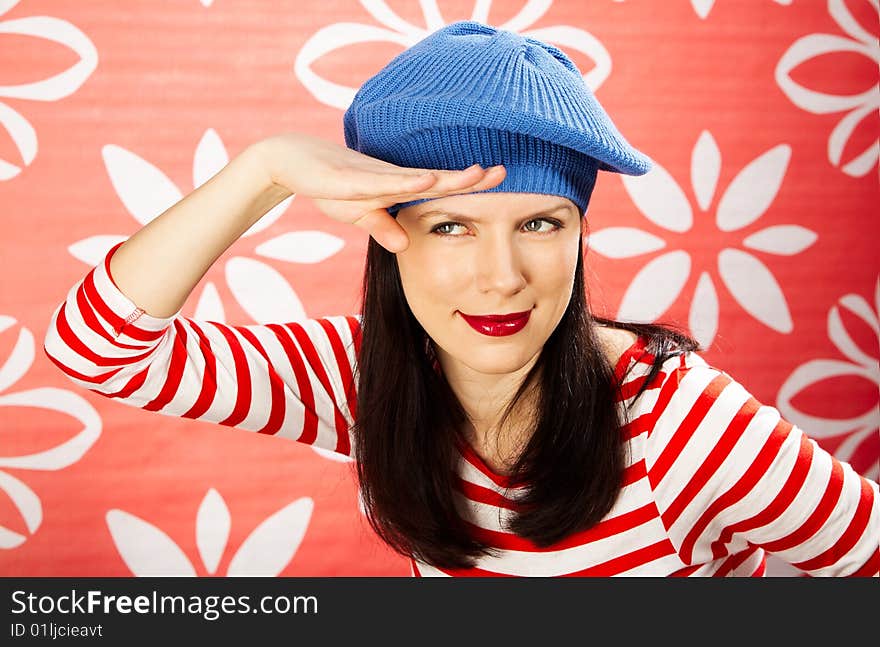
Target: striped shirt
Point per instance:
(715, 481)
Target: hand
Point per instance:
(357, 189)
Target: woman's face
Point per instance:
(489, 253)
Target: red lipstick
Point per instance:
(498, 325)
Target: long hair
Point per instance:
(409, 422)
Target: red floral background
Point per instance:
(756, 230)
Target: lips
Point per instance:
(498, 325)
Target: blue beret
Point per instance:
(471, 93)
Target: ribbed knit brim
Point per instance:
(471, 93)
(532, 165)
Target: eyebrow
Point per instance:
(461, 216)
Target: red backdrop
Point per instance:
(756, 230)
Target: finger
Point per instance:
(384, 229)
(489, 178)
(492, 176)
(455, 180)
(371, 185)
(438, 180)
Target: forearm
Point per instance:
(161, 264)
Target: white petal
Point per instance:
(431, 12)
(481, 10)
(842, 15)
(844, 130)
(660, 198)
(301, 247)
(269, 218)
(705, 169)
(655, 287)
(752, 191)
(840, 136)
(23, 136)
(702, 7)
(877, 302)
(212, 529)
(262, 292)
(7, 170)
(530, 13)
(19, 361)
(144, 190)
(838, 333)
(806, 376)
(860, 166)
(813, 46)
(568, 39)
(781, 239)
(146, 550)
(331, 455)
(384, 15)
(64, 83)
(332, 37)
(703, 316)
(10, 539)
(623, 242)
(872, 471)
(25, 500)
(6, 5)
(848, 447)
(92, 250)
(210, 306)
(859, 307)
(269, 548)
(755, 289)
(210, 157)
(62, 401)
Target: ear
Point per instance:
(585, 228)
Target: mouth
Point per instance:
(498, 325)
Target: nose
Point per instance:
(498, 266)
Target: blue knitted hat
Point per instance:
(471, 93)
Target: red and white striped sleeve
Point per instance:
(730, 474)
(293, 380)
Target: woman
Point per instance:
(498, 427)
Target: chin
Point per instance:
(499, 361)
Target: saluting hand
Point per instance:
(351, 187)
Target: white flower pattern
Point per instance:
(262, 292)
(25, 500)
(54, 88)
(703, 7)
(266, 552)
(661, 281)
(858, 364)
(858, 107)
(396, 30)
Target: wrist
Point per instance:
(255, 162)
(267, 154)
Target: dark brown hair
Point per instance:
(409, 422)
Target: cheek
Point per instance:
(430, 279)
(552, 268)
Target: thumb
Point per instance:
(382, 226)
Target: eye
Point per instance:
(554, 225)
(446, 228)
(439, 229)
